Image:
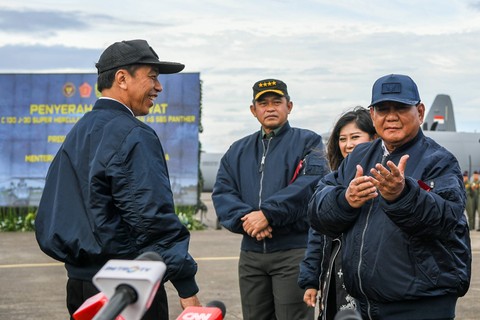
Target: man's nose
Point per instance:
(270, 105)
(158, 86)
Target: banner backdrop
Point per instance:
(38, 110)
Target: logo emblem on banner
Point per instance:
(68, 89)
(85, 90)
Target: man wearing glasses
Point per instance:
(399, 202)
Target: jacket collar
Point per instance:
(410, 143)
(111, 104)
(278, 132)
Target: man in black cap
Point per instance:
(107, 193)
(398, 202)
(262, 189)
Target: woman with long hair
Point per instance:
(321, 269)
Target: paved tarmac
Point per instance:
(32, 285)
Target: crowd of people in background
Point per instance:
(472, 208)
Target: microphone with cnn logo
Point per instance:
(214, 310)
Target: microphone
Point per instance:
(127, 287)
(347, 314)
(214, 310)
(91, 306)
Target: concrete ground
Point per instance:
(32, 285)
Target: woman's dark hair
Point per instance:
(105, 79)
(362, 119)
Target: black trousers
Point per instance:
(268, 286)
(78, 291)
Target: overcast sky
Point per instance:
(329, 52)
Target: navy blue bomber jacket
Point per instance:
(275, 175)
(415, 247)
(107, 195)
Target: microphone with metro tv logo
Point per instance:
(127, 289)
(214, 310)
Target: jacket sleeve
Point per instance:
(432, 213)
(142, 195)
(314, 263)
(436, 216)
(288, 205)
(229, 206)
(328, 210)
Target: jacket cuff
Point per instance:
(343, 203)
(186, 287)
(405, 191)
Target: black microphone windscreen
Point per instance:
(348, 314)
(218, 304)
(149, 256)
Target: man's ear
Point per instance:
(121, 78)
(290, 106)
(421, 111)
(253, 110)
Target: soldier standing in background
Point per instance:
(475, 200)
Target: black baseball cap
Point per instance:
(269, 85)
(130, 52)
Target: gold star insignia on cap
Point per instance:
(267, 84)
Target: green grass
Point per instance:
(23, 218)
(17, 218)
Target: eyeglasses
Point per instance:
(384, 109)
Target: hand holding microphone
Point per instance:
(190, 302)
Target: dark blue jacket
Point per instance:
(314, 266)
(412, 249)
(256, 174)
(107, 195)
(317, 270)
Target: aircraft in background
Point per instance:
(209, 164)
(440, 116)
(439, 124)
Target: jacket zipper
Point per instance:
(329, 275)
(384, 160)
(262, 165)
(360, 262)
